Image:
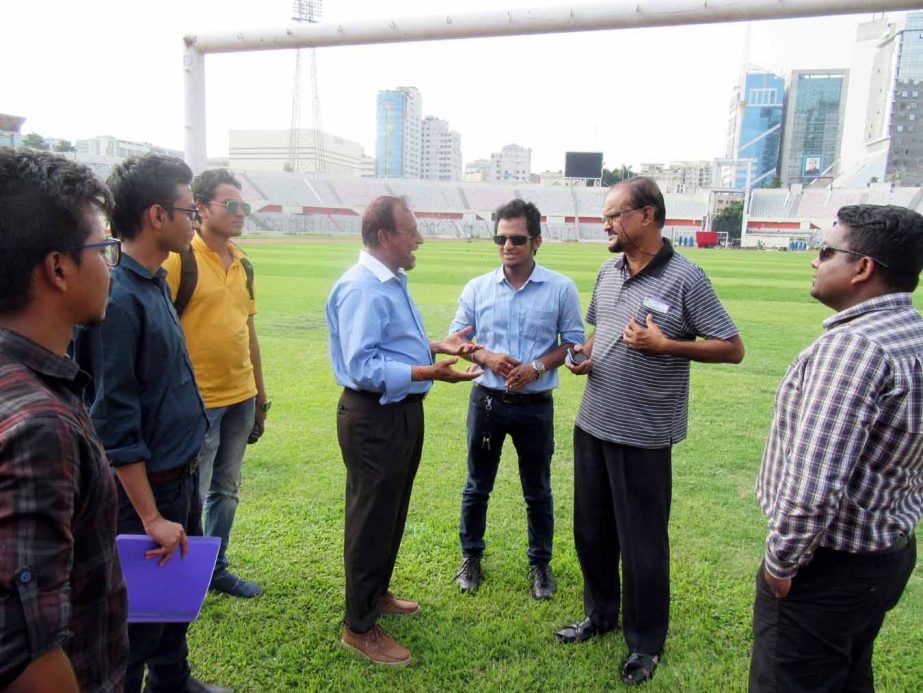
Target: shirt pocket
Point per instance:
(669, 318)
(541, 326)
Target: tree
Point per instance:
(35, 141)
(64, 146)
(776, 182)
(617, 175)
(729, 220)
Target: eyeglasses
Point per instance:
(110, 249)
(826, 252)
(190, 212)
(515, 240)
(617, 216)
(233, 205)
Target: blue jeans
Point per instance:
(531, 426)
(220, 460)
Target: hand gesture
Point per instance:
(583, 367)
(457, 343)
(650, 338)
(442, 370)
(169, 535)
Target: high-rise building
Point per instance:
(512, 164)
(882, 140)
(813, 131)
(399, 142)
(755, 127)
(442, 156)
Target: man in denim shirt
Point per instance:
(525, 317)
(145, 406)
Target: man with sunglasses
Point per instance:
(841, 480)
(525, 317)
(62, 595)
(144, 403)
(218, 321)
(650, 308)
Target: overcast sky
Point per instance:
(114, 67)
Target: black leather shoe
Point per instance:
(468, 576)
(542, 582)
(578, 632)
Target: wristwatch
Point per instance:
(264, 406)
(539, 367)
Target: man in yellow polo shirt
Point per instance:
(212, 289)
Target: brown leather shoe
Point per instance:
(395, 606)
(376, 646)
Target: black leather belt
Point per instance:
(180, 472)
(518, 397)
(413, 397)
(899, 545)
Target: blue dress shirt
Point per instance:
(376, 332)
(524, 323)
(144, 402)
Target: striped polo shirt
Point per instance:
(639, 398)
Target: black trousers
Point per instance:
(381, 446)
(622, 500)
(161, 646)
(821, 636)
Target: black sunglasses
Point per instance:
(826, 252)
(515, 240)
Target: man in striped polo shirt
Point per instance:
(842, 475)
(650, 306)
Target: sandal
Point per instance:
(639, 667)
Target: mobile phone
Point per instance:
(576, 357)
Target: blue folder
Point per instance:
(172, 593)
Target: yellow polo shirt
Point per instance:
(215, 325)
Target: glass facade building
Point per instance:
(398, 144)
(760, 127)
(905, 155)
(813, 124)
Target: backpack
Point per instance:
(189, 277)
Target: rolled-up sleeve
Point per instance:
(38, 463)
(116, 411)
(570, 322)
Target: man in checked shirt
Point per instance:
(842, 474)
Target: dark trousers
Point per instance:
(820, 637)
(161, 646)
(381, 446)
(622, 500)
(531, 426)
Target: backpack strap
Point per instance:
(188, 278)
(248, 269)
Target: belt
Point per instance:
(180, 472)
(368, 394)
(901, 543)
(518, 397)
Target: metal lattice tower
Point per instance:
(306, 11)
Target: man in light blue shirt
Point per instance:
(384, 361)
(525, 317)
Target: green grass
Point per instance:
(289, 528)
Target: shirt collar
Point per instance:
(38, 359)
(132, 265)
(894, 301)
(657, 264)
(199, 245)
(377, 267)
(539, 274)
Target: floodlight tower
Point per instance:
(306, 11)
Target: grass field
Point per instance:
(289, 527)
